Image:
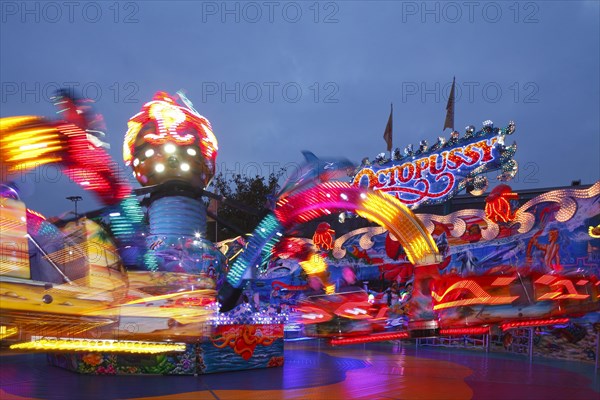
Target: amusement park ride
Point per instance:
(185, 305)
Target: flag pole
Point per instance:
(391, 118)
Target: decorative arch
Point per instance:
(376, 206)
(325, 199)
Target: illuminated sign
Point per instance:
(436, 175)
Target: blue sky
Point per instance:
(276, 78)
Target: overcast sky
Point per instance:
(276, 78)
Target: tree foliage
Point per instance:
(251, 193)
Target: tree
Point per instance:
(251, 194)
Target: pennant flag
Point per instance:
(387, 135)
(449, 122)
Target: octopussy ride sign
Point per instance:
(435, 176)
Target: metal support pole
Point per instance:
(531, 345)
(47, 257)
(597, 364)
(75, 199)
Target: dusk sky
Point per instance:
(276, 78)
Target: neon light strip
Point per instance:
(476, 300)
(378, 337)
(468, 284)
(465, 331)
(532, 323)
(481, 296)
(108, 346)
(558, 295)
(265, 232)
